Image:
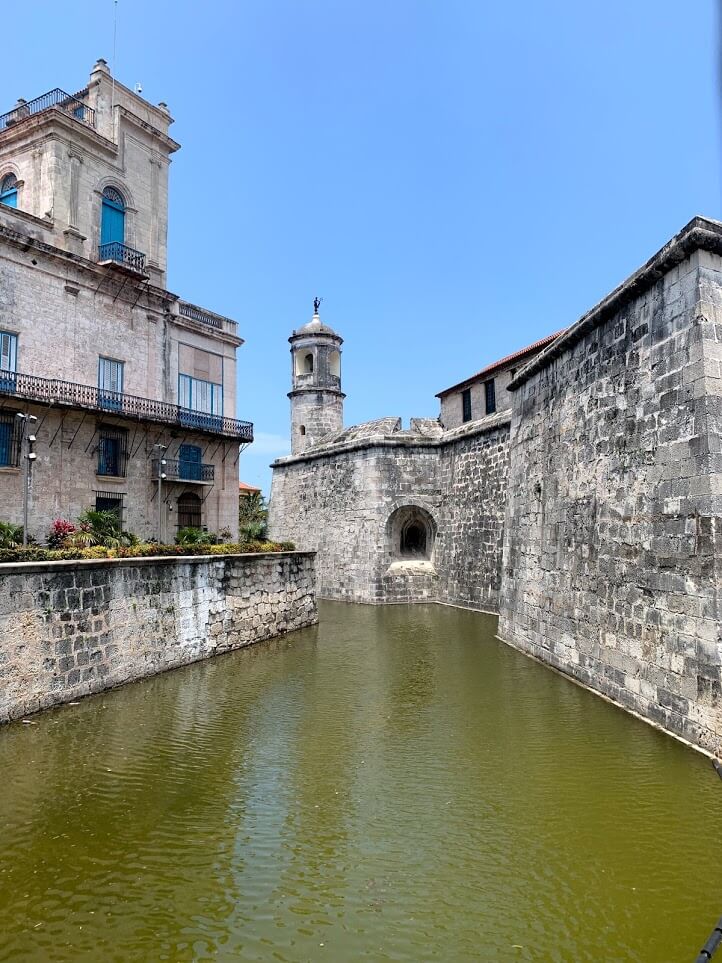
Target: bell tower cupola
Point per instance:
(316, 396)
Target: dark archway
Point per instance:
(411, 532)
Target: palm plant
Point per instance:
(194, 536)
(10, 535)
(99, 528)
(252, 517)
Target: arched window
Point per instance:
(9, 191)
(112, 218)
(189, 510)
(303, 429)
(308, 363)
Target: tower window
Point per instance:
(308, 363)
(9, 191)
(466, 405)
(112, 217)
(490, 397)
(303, 429)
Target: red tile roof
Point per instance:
(516, 356)
(245, 489)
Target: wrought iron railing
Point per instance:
(69, 394)
(195, 313)
(122, 254)
(58, 98)
(183, 470)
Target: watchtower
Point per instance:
(316, 396)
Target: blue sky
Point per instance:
(455, 178)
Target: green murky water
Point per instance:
(393, 785)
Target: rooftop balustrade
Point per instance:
(71, 104)
(192, 311)
(52, 391)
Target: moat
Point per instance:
(393, 784)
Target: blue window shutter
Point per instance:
(189, 458)
(6, 443)
(9, 191)
(112, 225)
(110, 384)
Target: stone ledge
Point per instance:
(472, 428)
(24, 568)
(700, 234)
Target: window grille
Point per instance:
(113, 451)
(111, 502)
(9, 441)
(189, 511)
(466, 405)
(490, 397)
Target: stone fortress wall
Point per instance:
(69, 629)
(587, 515)
(613, 534)
(342, 503)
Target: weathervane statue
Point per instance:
(316, 304)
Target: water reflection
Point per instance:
(392, 785)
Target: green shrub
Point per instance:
(10, 535)
(99, 528)
(195, 536)
(140, 550)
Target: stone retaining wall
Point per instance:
(68, 629)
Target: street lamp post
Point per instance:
(161, 476)
(27, 449)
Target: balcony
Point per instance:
(67, 394)
(192, 472)
(202, 316)
(69, 103)
(117, 253)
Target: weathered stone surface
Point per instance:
(612, 533)
(593, 510)
(340, 502)
(71, 628)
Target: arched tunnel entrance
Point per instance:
(411, 532)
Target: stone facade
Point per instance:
(342, 502)
(587, 510)
(63, 157)
(613, 525)
(95, 347)
(69, 629)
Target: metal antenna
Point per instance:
(719, 93)
(115, 33)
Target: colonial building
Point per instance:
(132, 387)
(574, 488)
